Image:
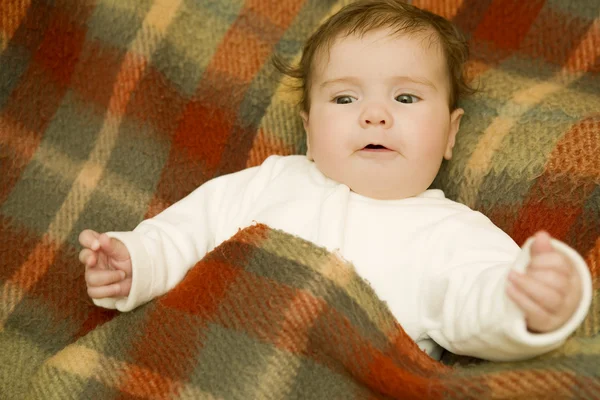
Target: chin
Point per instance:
(384, 192)
(382, 188)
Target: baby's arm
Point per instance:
(153, 258)
(162, 249)
(466, 305)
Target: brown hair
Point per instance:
(368, 15)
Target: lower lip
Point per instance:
(376, 150)
(378, 154)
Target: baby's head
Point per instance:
(380, 83)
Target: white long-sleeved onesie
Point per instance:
(440, 266)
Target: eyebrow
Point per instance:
(354, 80)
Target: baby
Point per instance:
(380, 85)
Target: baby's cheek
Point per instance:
(431, 142)
(320, 143)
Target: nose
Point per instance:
(376, 115)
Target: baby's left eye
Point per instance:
(407, 98)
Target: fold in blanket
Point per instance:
(269, 315)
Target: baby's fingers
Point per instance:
(119, 289)
(541, 243)
(538, 318)
(545, 297)
(551, 261)
(89, 238)
(529, 306)
(88, 257)
(101, 277)
(552, 278)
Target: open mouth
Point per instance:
(375, 147)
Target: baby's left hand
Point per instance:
(549, 291)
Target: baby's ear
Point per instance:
(455, 118)
(304, 116)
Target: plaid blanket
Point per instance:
(112, 110)
(270, 316)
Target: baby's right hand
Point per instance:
(107, 265)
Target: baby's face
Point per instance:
(379, 118)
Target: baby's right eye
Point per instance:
(343, 100)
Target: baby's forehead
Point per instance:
(427, 38)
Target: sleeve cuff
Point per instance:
(516, 326)
(141, 273)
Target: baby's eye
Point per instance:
(343, 100)
(407, 98)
